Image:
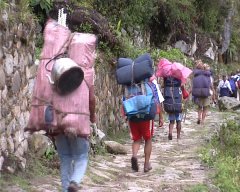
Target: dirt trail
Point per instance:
(176, 164)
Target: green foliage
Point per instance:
(229, 136)
(3, 4)
(85, 28)
(131, 13)
(50, 152)
(225, 161)
(180, 12)
(209, 13)
(173, 55)
(45, 5)
(129, 50)
(7, 180)
(122, 135)
(207, 157)
(227, 176)
(198, 188)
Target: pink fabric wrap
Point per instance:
(177, 70)
(54, 38)
(72, 110)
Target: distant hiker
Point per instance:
(202, 89)
(232, 80)
(224, 87)
(173, 104)
(63, 102)
(141, 101)
(175, 75)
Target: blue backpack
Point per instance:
(139, 102)
(232, 82)
(172, 95)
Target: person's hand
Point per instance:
(160, 122)
(93, 118)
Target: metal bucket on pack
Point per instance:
(66, 75)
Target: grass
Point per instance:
(198, 188)
(223, 155)
(121, 136)
(35, 167)
(20, 180)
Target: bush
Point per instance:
(226, 160)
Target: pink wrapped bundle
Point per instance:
(75, 105)
(55, 36)
(82, 49)
(177, 70)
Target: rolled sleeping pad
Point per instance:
(124, 62)
(144, 57)
(141, 71)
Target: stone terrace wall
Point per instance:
(108, 97)
(17, 71)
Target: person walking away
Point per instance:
(66, 117)
(224, 87)
(232, 80)
(143, 129)
(173, 104)
(201, 89)
(73, 143)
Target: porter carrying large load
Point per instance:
(139, 101)
(60, 100)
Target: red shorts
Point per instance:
(141, 129)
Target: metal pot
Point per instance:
(66, 75)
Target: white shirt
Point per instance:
(160, 96)
(225, 84)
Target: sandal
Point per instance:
(134, 163)
(147, 168)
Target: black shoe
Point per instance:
(73, 187)
(169, 137)
(134, 163)
(198, 121)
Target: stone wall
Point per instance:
(16, 83)
(108, 97)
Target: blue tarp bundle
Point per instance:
(134, 71)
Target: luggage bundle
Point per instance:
(134, 71)
(172, 95)
(139, 101)
(61, 91)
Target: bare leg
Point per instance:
(147, 152)
(178, 129)
(135, 149)
(204, 113)
(199, 115)
(171, 125)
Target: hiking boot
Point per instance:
(73, 187)
(134, 163)
(169, 137)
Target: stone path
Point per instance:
(176, 164)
